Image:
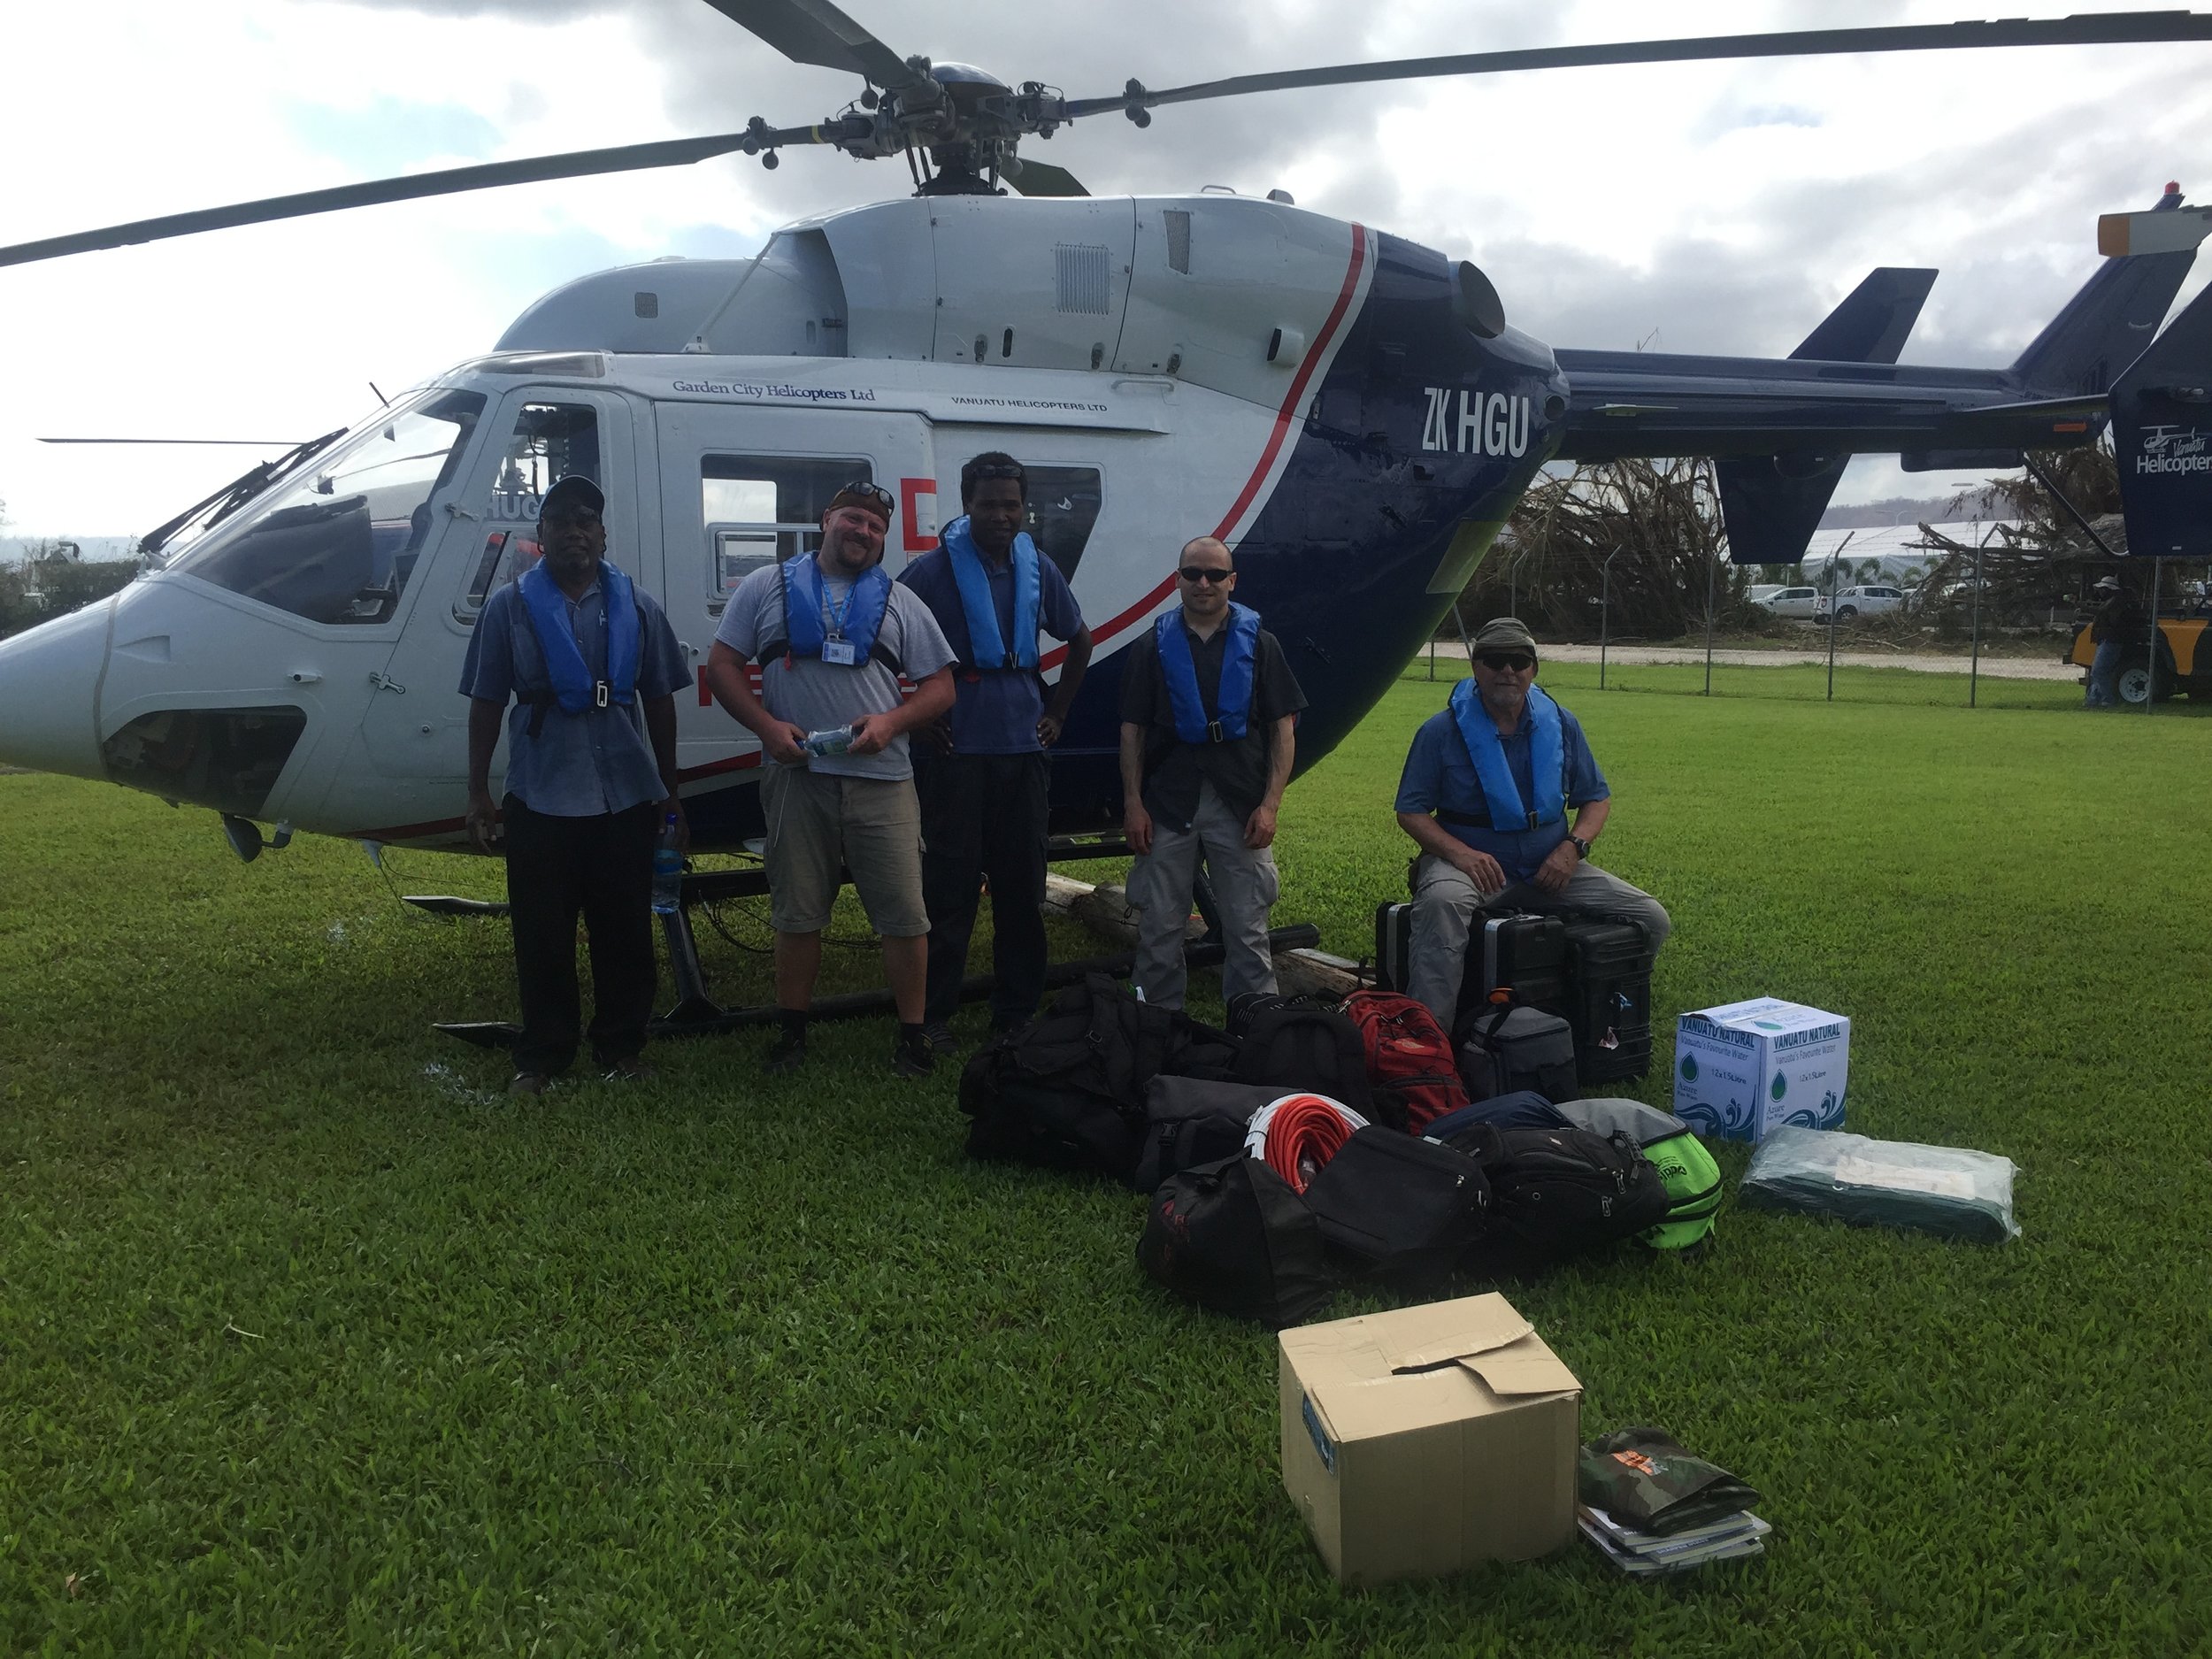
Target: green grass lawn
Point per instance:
(312, 1341)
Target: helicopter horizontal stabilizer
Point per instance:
(1772, 504)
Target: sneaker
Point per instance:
(941, 1037)
(531, 1083)
(787, 1052)
(628, 1069)
(912, 1053)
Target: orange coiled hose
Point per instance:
(1303, 1133)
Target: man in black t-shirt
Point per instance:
(1209, 711)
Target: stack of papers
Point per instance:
(1643, 1554)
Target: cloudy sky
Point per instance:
(1684, 208)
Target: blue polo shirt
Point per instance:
(579, 765)
(994, 711)
(1440, 777)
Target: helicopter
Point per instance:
(1353, 412)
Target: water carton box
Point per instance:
(1744, 1069)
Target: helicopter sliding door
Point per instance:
(744, 487)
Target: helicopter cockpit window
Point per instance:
(761, 509)
(337, 543)
(1064, 503)
(549, 441)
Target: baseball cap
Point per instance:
(575, 489)
(1505, 634)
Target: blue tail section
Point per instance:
(1772, 503)
(2106, 326)
(2162, 435)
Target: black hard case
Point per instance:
(1610, 1004)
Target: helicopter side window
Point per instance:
(337, 544)
(549, 441)
(1064, 503)
(760, 510)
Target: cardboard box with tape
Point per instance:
(1425, 1440)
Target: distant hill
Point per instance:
(1877, 515)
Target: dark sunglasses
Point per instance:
(1504, 661)
(1196, 573)
(867, 493)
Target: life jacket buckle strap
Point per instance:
(1215, 733)
(602, 693)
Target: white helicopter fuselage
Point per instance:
(1161, 366)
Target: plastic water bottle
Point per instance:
(668, 870)
(835, 741)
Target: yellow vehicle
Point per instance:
(2185, 661)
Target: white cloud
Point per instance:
(1725, 206)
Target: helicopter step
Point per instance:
(494, 1034)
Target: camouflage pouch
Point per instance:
(1644, 1479)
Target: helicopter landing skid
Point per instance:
(696, 1015)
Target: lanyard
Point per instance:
(837, 612)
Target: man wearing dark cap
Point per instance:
(1209, 731)
(833, 634)
(1485, 792)
(593, 668)
(2117, 625)
(983, 793)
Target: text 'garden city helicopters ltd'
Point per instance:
(1350, 411)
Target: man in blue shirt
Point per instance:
(593, 668)
(1492, 822)
(983, 781)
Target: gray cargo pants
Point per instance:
(1245, 887)
(1445, 900)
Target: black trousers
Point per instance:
(602, 869)
(984, 816)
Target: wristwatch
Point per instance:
(1581, 847)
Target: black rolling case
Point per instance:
(1525, 954)
(1610, 1005)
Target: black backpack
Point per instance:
(1189, 1121)
(1067, 1090)
(1506, 1050)
(1398, 1203)
(1557, 1193)
(1231, 1236)
(1296, 1043)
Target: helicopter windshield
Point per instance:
(338, 542)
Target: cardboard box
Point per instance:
(1746, 1068)
(1425, 1440)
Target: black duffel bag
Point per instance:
(1232, 1236)
(1066, 1091)
(1557, 1193)
(1400, 1204)
(1192, 1120)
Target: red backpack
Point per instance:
(1409, 1062)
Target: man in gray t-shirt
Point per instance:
(833, 634)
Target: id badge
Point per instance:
(839, 651)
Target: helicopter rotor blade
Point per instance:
(675, 152)
(816, 32)
(1041, 178)
(236, 443)
(2116, 28)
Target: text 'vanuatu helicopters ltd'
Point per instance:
(1350, 411)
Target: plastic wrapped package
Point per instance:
(1949, 1190)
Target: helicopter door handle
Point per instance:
(305, 677)
(379, 681)
(456, 510)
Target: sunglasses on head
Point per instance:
(1196, 573)
(998, 469)
(1505, 661)
(868, 495)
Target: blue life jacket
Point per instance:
(1234, 705)
(986, 648)
(1546, 759)
(805, 635)
(573, 687)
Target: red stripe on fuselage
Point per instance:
(1283, 416)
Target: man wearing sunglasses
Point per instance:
(1208, 718)
(593, 668)
(983, 775)
(1486, 789)
(833, 634)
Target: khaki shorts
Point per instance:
(873, 826)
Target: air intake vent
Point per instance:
(1178, 240)
(1081, 280)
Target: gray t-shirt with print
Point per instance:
(818, 696)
